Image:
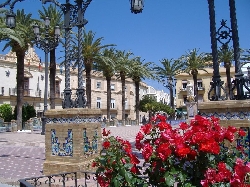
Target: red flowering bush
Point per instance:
(117, 165)
(201, 153)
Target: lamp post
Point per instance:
(239, 76)
(73, 16)
(46, 44)
(216, 83)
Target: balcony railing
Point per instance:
(183, 89)
(38, 93)
(26, 92)
(12, 91)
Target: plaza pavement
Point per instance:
(22, 153)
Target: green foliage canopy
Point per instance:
(149, 104)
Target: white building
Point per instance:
(34, 84)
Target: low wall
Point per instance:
(72, 139)
(231, 113)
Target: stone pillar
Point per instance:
(191, 109)
(72, 139)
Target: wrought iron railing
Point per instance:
(77, 179)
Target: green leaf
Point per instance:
(169, 179)
(116, 182)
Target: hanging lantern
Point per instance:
(137, 6)
(11, 19)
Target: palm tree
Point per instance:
(122, 66)
(227, 55)
(170, 69)
(139, 71)
(91, 52)
(55, 16)
(193, 62)
(20, 45)
(105, 63)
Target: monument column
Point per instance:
(191, 104)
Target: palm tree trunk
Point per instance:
(171, 94)
(88, 83)
(195, 87)
(137, 101)
(52, 76)
(123, 96)
(108, 97)
(20, 86)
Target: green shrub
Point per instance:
(6, 112)
(28, 112)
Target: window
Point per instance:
(126, 103)
(184, 84)
(199, 84)
(98, 102)
(2, 91)
(184, 99)
(112, 87)
(112, 103)
(57, 89)
(26, 86)
(83, 83)
(98, 85)
(200, 98)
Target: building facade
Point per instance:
(34, 86)
(203, 84)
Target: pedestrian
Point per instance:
(104, 119)
(144, 121)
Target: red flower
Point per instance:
(106, 144)
(192, 155)
(163, 125)
(94, 164)
(164, 151)
(105, 133)
(127, 146)
(102, 181)
(147, 151)
(134, 159)
(146, 128)
(210, 147)
(183, 152)
(241, 132)
(135, 170)
(184, 126)
(139, 136)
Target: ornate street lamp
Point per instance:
(11, 19)
(216, 83)
(73, 16)
(47, 43)
(136, 6)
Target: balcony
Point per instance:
(201, 88)
(38, 93)
(183, 89)
(182, 103)
(12, 91)
(26, 92)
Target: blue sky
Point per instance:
(165, 28)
